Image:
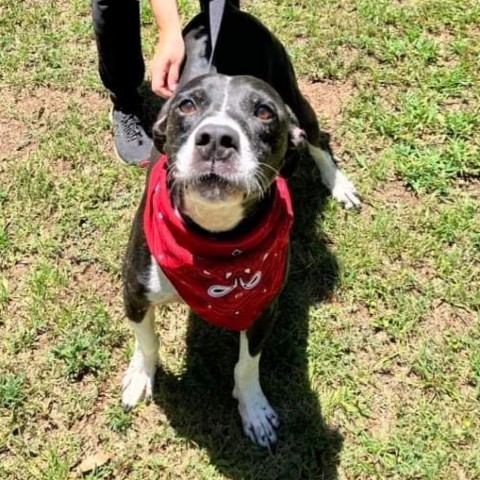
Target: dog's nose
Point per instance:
(217, 141)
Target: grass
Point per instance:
(374, 364)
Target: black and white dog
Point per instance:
(213, 226)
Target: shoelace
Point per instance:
(132, 127)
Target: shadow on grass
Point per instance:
(199, 404)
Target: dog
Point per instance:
(213, 225)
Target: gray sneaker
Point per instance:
(132, 144)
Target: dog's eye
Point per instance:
(187, 107)
(264, 113)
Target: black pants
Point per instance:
(120, 62)
(117, 32)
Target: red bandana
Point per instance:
(228, 283)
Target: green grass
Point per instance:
(374, 365)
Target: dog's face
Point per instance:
(225, 137)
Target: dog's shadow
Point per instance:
(199, 404)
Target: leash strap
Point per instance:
(216, 9)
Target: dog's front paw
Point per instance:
(259, 419)
(345, 192)
(138, 380)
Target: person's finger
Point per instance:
(159, 86)
(173, 76)
(159, 80)
(164, 93)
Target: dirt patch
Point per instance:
(393, 193)
(349, 55)
(328, 99)
(383, 404)
(445, 318)
(25, 116)
(14, 137)
(44, 102)
(91, 277)
(469, 187)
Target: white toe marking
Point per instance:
(344, 191)
(340, 186)
(140, 375)
(258, 418)
(138, 379)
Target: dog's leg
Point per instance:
(340, 186)
(140, 375)
(258, 417)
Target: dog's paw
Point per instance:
(138, 380)
(259, 419)
(345, 192)
(341, 188)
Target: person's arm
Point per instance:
(170, 50)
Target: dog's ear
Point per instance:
(297, 144)
(159, 130)
(297, 138)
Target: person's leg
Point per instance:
(121, 67)
(117, 33)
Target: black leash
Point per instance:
(216, 9)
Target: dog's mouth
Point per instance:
(219, 182)
(213, 187)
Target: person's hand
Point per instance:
(166, 63)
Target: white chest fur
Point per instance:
(160, 290)
(219, 216)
